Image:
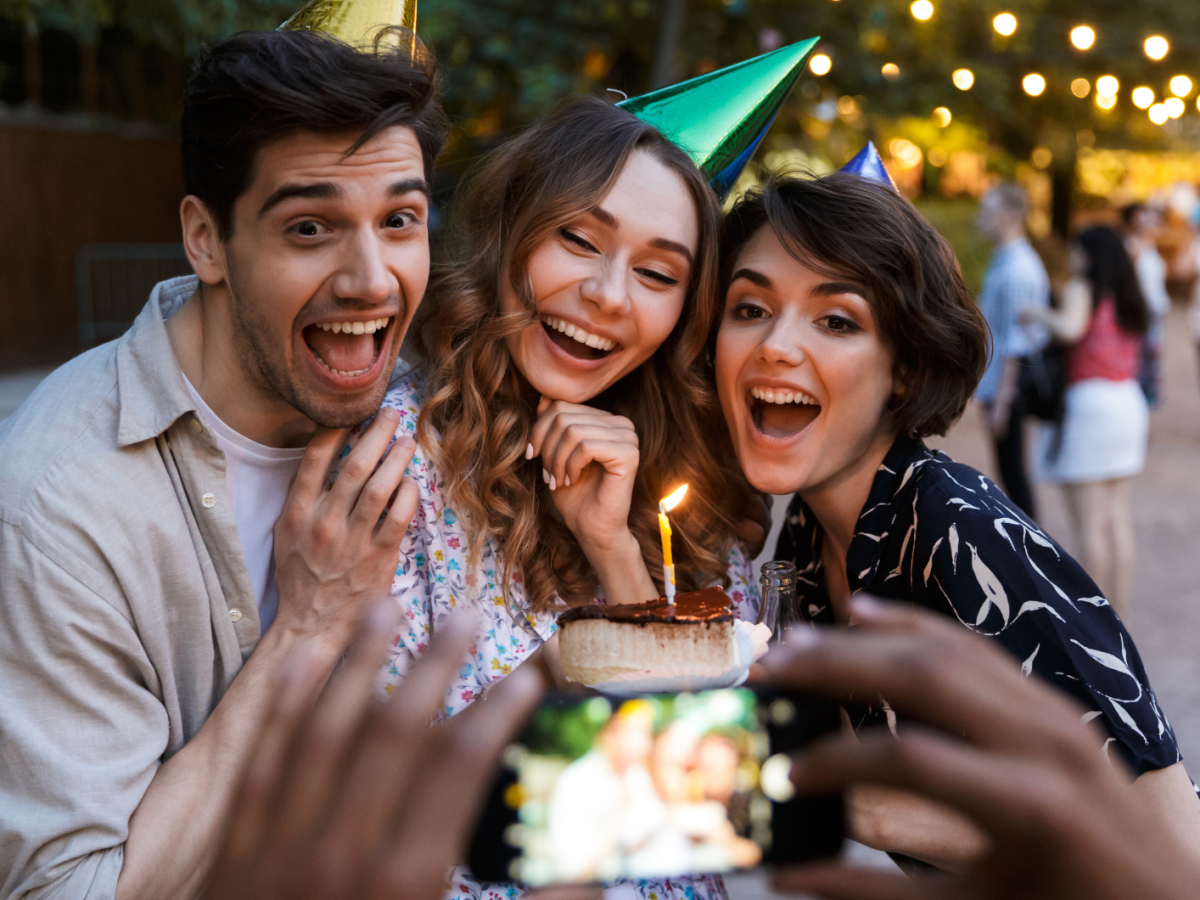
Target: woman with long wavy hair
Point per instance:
(558, 392)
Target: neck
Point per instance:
(203, 338)
(1010, 236)
(838, 502)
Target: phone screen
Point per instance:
(599, 788)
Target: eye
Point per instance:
(662, 279)
(748, 312)
(841, 325)
(309, 228)
(575, 239)
(400, 220)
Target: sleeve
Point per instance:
(742, 585)
(82, 732)
(1024, 287)
(977, 559)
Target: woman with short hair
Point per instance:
(848, 336)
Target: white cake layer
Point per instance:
(594, 651)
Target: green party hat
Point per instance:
(356, 22)
(721, 117)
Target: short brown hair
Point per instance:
(260, 87)
(845, 225)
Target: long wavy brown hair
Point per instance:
(483, 410)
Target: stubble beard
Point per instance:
(271, 375)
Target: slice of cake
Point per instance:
(695, 634)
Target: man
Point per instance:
(140, 485)
(1141, 227)
(1015, 280)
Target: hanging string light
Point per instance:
(1156, 47)
(1033, 84)
(922, 10)
(1174, 107)
(963, 79)
(942, 116)
(1107, 86)
(1082, 37)
(1005, 24)
(1159, 114)
(1081, 87)
(820, 64)
(1181, 85)
(1142, 97)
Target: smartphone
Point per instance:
(599, 788)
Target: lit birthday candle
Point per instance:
(664, 526)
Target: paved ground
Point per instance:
(1165, 620)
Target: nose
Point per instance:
(605, 288)
(363, 275)
(784, 343)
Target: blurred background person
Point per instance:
(1142, 224)
(1015, 282)
(1104, 432)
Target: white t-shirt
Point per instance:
(257, 479)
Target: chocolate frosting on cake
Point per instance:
(694, 607)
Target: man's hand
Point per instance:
(356, 799)
(1009, 752)
(336, 551)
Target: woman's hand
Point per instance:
(589, 459)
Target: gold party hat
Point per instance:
(356, 22)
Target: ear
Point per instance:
(200, 241)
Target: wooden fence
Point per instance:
(62, 187)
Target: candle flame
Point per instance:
(669, 502)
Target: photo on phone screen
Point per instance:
(599, 788)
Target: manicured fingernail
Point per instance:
(529, 451)
(545, 476)
(567, 481)
(552, 485)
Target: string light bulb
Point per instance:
(1142, 97)
(1156, 47)
(1081, 87)
(820, 64)
(1181, 85)
(922, 10)
(1107, 86)
(1174, 107)
(1033, 84)
(942, 116)
(1106, 101)
(890, 71)
(963, 79)
(1159, 114)
(1005, 24)
(1082, 37)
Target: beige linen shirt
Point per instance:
(125, 607)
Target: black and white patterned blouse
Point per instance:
(940, 535)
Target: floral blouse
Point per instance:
(432, 579)
(940, 535)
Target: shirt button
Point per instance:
(235, 615)
(197, 425)
(209, 501)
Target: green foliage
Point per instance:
(955, 221)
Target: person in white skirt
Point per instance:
(1101, 443)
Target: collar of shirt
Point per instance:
(150, 385)
(896, 472)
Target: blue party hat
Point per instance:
(868, 164)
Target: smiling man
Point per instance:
(157, 571)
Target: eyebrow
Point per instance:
(661, 243)
(833, 288)
(756, 278)
(327, 190)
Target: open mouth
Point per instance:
(576, 341)
(781, 413)
(347, 349)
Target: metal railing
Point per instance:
(113, 283)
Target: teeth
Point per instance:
(767, 395)
(576, 333)
(369, 327)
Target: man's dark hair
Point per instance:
(259, 87)
(854, 229)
